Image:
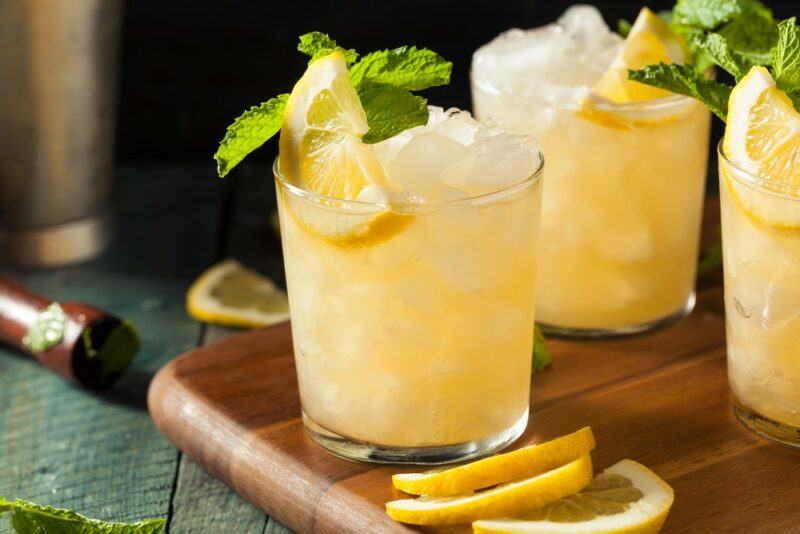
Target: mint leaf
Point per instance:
(249, 131)
(390, 110)
(786, 56)
(30, 518)
(705, 14)
(318, 44)
(47, 330)
(712, 258)
(115, 352)
(752, 34)
(624, 27)
(407, 67)
(541, 356)
(716, 46)
(685, 80)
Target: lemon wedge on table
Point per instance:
(231, 295)
(762, 137)
(499, 469)
(321, 150)
(626, 498)
(501, 501)
(650, 42)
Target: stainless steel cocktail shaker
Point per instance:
(57, 96)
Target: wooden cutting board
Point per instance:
(661, 399)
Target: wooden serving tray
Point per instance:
(661, 399)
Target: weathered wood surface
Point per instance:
(100, 453)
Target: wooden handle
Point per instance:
(19, 308)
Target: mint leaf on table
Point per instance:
(249, 131)
(685, 80)
(30, 518)
(390, 110)
(318, 44)
(712, 258)
(786, 56)
(407, 67)
(541, 356)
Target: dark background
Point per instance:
(189, 67)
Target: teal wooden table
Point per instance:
(99, 453)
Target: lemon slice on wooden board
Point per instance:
(321, 150)
(762, 137)
(501, 501)
(650, 42)
(229, 294)
(626, 498)
(499, 469)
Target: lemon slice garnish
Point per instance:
(762, 137)
(499, 469)
(627, 497)
(232, 295)
(650, 42)
(321, 150)
(501, 501)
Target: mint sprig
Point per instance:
(685, 80)
(406, 67)
(383, 80)
(318, 44)
(735, 35)
(249, 131)
(30, 518)
(541, 356)
(390, 110)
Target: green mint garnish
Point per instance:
(685, 80)
(383, 81)
(115, 352)
(390, 110)
(317, 45)
(752, 34)
(248, 132)
(718, 49)
(712, 258)
(407, 67)
(624, 27)
(710, 14)
(541, 356)
(30, 518)
(47, 330)
(785, 57)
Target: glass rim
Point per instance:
(760, 183)
(667, 102)
(363, 205)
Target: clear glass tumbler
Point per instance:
(761, 255)
(622, 209)
(412, 323)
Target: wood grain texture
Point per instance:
(100, 453)
(660, 398)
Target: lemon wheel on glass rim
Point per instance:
(321, 150)
(762, 138)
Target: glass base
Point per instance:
(765, 426)
(362, 451)
(565, 331)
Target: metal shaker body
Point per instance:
(57, 95)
